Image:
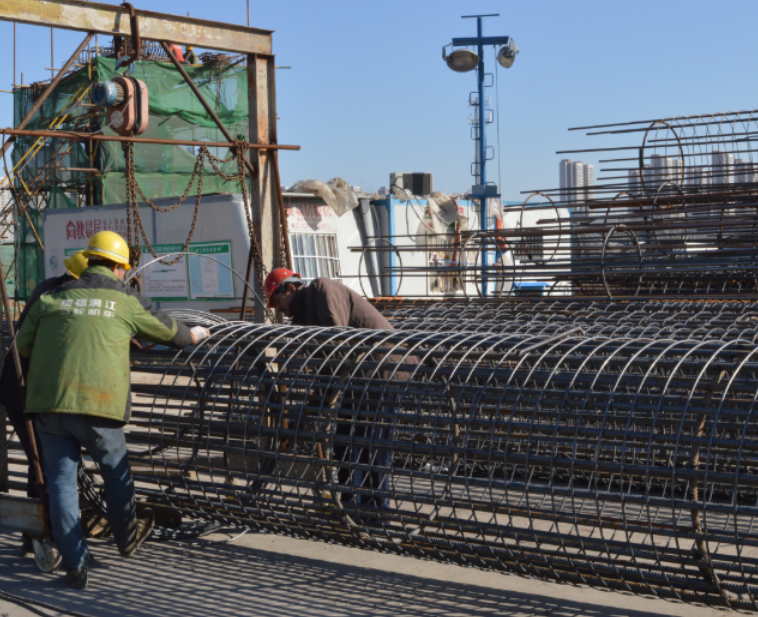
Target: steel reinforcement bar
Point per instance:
(674, 320)
(619, 463)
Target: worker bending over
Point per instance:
(328, 303)
(322, 303)
(77, 337)
(10, 389)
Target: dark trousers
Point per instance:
(63, 436)
(11, 399)
(364, 455)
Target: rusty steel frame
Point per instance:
(138, 140)
(113, 20)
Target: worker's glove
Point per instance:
(199, 334)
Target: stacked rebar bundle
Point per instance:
(721, 320)
(675, 214)
(620, 463)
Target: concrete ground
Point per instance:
(266, 575)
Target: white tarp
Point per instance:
(336, 193)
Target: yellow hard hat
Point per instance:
(76, 264)
(190, 47)
(108, 245)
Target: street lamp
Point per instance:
(507, 54)
(461, 60)
(464, 60)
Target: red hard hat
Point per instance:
(275, 278)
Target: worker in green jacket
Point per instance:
(77, 337)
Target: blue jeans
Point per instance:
(62, 436)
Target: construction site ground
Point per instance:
(263, 574)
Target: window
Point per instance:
(315, 255)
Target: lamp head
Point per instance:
(507, 54)
(462, 60)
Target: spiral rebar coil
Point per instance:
(621, 464)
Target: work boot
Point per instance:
(26, 546)
(46, 555)
(144, 527)
(77, 579)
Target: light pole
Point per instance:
(463, 60)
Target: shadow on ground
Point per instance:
(201, 578)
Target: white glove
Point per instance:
(199, 334)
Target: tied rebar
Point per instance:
(721, 320)
(624, 464)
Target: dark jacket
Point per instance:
(329, 303)
(10, 393)
(78, 339)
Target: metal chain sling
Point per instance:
(132, 207)
(133, 190)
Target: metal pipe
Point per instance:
(137, 140)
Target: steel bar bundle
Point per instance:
(619, 463)
(636, 319)
(676, 214)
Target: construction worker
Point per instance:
(322, 303)
(12, 399)
(77, 338)
(329, 303)
(177, 51)
(191, 57)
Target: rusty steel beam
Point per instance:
(22, 514)
(114, 20)
(261, 97)
(138, 140)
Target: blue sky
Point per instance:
(369, 94)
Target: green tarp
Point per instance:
(162, 171)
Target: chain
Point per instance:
(240, 150)
(133, 189)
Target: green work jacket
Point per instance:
(78, 338)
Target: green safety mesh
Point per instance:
(162, 171)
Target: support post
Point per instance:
(261, 97)
(482, 150)
(6, 310)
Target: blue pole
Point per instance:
(482, 148)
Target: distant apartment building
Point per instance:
(698, 179)
(663, 171)
(575, 181)
(745, 172)
(722, 168)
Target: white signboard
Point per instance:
(211, 277)
(201, 283)
(161, 281)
